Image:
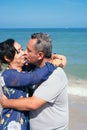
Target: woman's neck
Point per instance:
(18, 68)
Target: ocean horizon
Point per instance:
(71, 42)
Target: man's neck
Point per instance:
(42, 63)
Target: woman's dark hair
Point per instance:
(7, 49)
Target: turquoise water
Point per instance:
(70, 42)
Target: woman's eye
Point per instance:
(17, 51)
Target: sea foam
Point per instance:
(77, 87)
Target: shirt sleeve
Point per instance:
(14, 78)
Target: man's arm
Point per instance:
(27, 104)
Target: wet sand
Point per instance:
(77, 113)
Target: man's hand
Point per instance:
(3, 100)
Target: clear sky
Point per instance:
(43, 13)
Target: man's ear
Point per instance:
(40, 55)
(6, 58)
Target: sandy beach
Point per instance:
(77, 113)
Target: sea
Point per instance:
(71, 42)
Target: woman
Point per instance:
(12, 55)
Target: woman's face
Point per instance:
(19, 58)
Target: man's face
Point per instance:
(32, 55)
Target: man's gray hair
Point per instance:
(43, 44)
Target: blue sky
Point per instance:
(43, 13)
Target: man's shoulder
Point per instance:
(57, 74)
(58, 70)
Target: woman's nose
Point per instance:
(25, 54)
(25, 51)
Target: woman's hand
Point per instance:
(59, 60)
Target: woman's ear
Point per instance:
(8, 60)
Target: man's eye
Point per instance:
(29, 50)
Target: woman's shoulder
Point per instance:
(8, 71)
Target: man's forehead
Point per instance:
(31, 42)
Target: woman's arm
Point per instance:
(59, 60)
(14, 78)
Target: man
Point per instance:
(49, 104)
